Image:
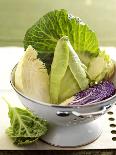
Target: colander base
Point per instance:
(73, 136)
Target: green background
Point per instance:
(16, 16)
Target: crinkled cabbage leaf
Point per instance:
(25, 127)
(45, 33)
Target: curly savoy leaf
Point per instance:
(45, 33)
(25, 126)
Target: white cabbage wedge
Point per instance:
(31, 77)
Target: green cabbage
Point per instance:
(66, 63)
(100, 67)
(58, 68)
(45, 33)
(86, 65)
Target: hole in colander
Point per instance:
(113, 131)
(114, 138)
(111, 119)
(113, 125)
(75, 119)
(81, 117)
(110, 112)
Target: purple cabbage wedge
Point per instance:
(94, 94)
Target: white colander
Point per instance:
(69, 126)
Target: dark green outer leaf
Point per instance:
(45, 33)
(25, 127)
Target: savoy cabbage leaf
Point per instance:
(45, 33)
(26, 127)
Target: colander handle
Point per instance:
(96, 113)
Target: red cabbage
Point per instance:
(94, 94)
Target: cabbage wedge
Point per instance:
(31, 77)
(68, 73)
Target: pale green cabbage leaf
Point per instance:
(65, 56)
(58, 68)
